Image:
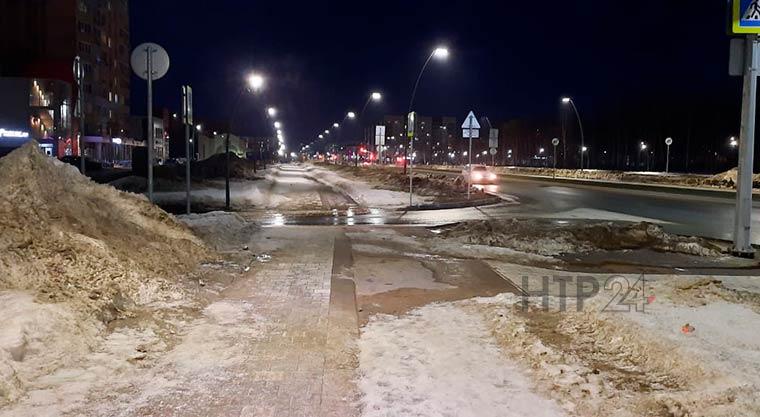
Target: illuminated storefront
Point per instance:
(36, 109)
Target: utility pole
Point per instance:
(743, 219)
(79, 76)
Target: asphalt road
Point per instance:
(696, 215)
(680, 213)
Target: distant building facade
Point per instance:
(39, 40)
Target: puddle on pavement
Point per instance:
(393, 281)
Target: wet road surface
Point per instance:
(678, 213)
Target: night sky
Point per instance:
(508, 58)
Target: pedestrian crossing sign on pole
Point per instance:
(745, 17)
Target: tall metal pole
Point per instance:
(580, 124)
(149, 65)
(554, 171)
(667, 161)
(227, 171)
(79, 71)
(469, 156)
(414, 128)
(411, 161)
(743, 219)
(188, 121)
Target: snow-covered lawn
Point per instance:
(364, 193)
(442, 361)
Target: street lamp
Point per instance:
(255, 82)
(440, 53)
(272, 112)
(376, 96)
(351, 115)
(733, 142)
(336, 125)
(568, 100)
(277, 125)
(327, 132)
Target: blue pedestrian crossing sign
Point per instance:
(745, 16)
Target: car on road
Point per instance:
(481, 174)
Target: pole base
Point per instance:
(743, 254)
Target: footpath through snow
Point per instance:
(440, 360)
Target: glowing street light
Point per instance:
(643, 146)
(277, 125)
(327, 132)
(198, 127)
(351, 115)
(255, 81)
(733, 142)
(375, 96)
(441, 52)
(321, 136)
(568, 100)
(336, 125)
(272, 112)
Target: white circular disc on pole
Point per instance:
(159, 60)
(669, 141)
(493, 151)
(555, 141)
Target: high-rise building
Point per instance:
(39, 39)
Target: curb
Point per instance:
(454, 204)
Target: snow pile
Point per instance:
(94, 251)
(221, 230)
(441, 361)
(66, 237)
(728, 179)
(363, 193)
(549, 239)
(637, 363)
(440, 186)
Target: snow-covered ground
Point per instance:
(365, 194)
(440, 360)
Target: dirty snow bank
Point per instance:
(437, 361)
(599, 363)
(94, 251)
(550, 239)
(221, 230)
(435, 187)
(364, 193)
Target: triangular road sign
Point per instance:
(471, 119)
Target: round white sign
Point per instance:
(493, 151)
(555, 141)
(669, 141)
(159, 60)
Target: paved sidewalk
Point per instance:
(266, 348)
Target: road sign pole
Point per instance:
(411, 165)
(743, 217)
(149, 71)
(187, 118)
(554, 157)
(667, 161)
(469, 166)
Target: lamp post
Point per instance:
(440, 53)
(668, 142)
(374, 96)
(568, 100)
(254, 82)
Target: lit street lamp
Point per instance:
(351, 115)
(255, 83)
(440, 53)
(568, 100)
(272, 112)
